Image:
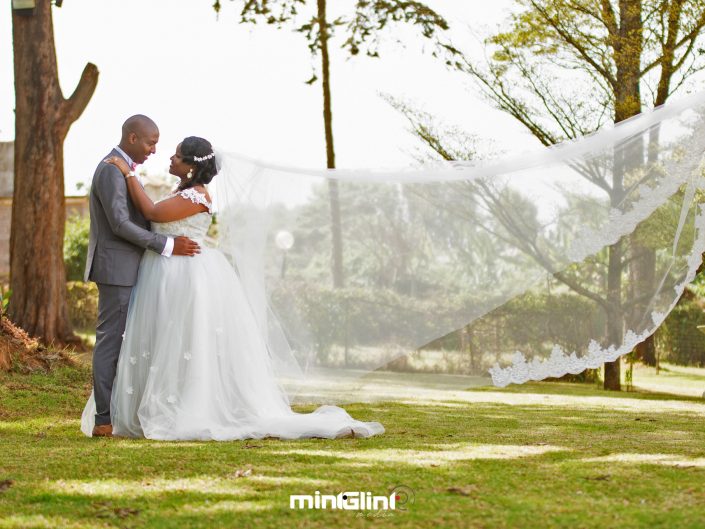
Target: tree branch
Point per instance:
(568, 38)
(610, 20)
(496, 91)
(75, 105)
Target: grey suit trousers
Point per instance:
(113, 301)
(119, 236)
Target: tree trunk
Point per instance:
(615, 330)
(628, 49)
(5, 350)
(646, 350)
(644, 271)
(42, 121)
(333, 190)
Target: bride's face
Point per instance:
(178, 167)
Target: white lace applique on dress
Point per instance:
(194, 196)
(194, 227)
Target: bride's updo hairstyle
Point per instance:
(199, 152)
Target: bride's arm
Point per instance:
(175, 208)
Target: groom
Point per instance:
(119, 235)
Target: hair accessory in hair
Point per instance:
(203, 158)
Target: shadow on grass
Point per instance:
(468, 430)
(535, 491)
(541, 455)
(586, 390)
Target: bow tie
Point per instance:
(133, 166)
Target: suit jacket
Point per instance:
(119, 232)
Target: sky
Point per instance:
(242, 86)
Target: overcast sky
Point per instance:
(243, 87)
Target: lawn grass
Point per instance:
(534, 456)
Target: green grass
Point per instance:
(539, 455)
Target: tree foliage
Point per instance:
(563, 67)
(362, 29)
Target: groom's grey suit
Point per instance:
(119, 235)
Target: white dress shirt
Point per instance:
(169, 246)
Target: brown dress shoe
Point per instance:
(103, 430)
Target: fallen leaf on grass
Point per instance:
(106, 510)
(124, 512)
(601, 477)
(242, 472)
(17, 386)
(463, 491)
(6, 484)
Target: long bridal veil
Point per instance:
(521, 269)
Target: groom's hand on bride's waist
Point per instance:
(185, 246)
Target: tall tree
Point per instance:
(362, 33)
(565, 67)
(42, 120)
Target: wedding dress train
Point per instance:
(194, 365)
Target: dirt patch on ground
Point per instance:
(20, 351)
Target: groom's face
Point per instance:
(144, 143)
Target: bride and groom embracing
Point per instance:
(178, 353)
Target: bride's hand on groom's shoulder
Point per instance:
(119, 163)
(185, 246)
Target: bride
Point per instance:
(193, 364)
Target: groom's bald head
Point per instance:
(139, 138)
(138, 124)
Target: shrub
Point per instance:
(680, 341)
(76, 247)
(357, 317)
(83, 303)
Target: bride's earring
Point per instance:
(189, 175)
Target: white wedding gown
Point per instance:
(193, 365)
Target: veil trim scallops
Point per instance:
(523, 268)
